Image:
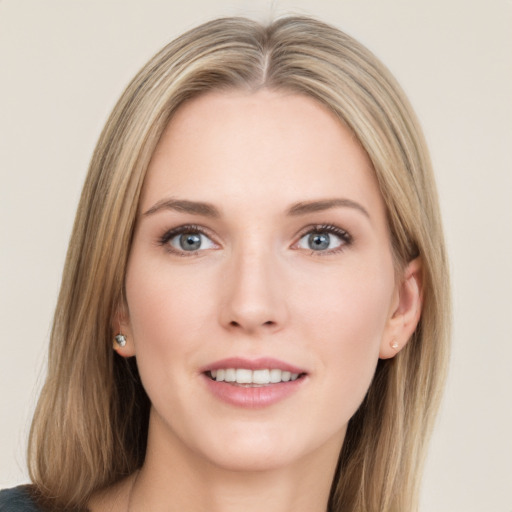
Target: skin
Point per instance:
(254, 289)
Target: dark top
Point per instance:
(17, 499)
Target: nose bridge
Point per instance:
(253, 289)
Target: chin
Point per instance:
(253, 459)
(260, 449)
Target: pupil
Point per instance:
(319, 241)
(190, 242)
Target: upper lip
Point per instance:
(261, 363)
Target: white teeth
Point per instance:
(275, 376)
(243, 376)
(230, 375)
(261, 376)
(258, 377)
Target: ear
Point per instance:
(121, 325)
(405, 311)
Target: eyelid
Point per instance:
(185, 228)
(341, 233)
(345, 237)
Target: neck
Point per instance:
(175, 479)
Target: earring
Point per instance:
(120, 340)
(394, 345)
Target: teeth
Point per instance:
(275, 376)
(230, 375)
(261, 376)
(244, 376)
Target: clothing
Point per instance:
(17, 499)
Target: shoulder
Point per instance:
(17, 499)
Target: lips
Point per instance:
(253, 383)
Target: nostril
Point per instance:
(269, 323)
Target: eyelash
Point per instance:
(187, 228)
(343, 235)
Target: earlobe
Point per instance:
(122, 338)
(123, 346)
(406, 312)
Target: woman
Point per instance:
(259, 240)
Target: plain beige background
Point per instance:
(64, 63)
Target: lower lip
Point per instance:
(253, 397)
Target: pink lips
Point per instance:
(252, 364)
(252, 397)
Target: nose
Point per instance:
(254, 294)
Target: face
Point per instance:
(260, 287)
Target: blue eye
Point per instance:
(324, 239)
(187, 239)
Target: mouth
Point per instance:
(253, 383)
(246, 377)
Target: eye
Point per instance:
(328, 239)
(185, 239)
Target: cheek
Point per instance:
(165, 298)
(349, 307)
(167, 313)
(345, 323)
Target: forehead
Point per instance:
(288, 146)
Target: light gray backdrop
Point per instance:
(64, 63)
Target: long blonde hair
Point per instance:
(90, 425)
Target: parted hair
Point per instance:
(91, 421)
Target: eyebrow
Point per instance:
(209, 210)
(184, 206)
(303, 208)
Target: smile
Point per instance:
(247, 377)
(253, 383)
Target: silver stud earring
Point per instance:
(394, 345)
(120, 340)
